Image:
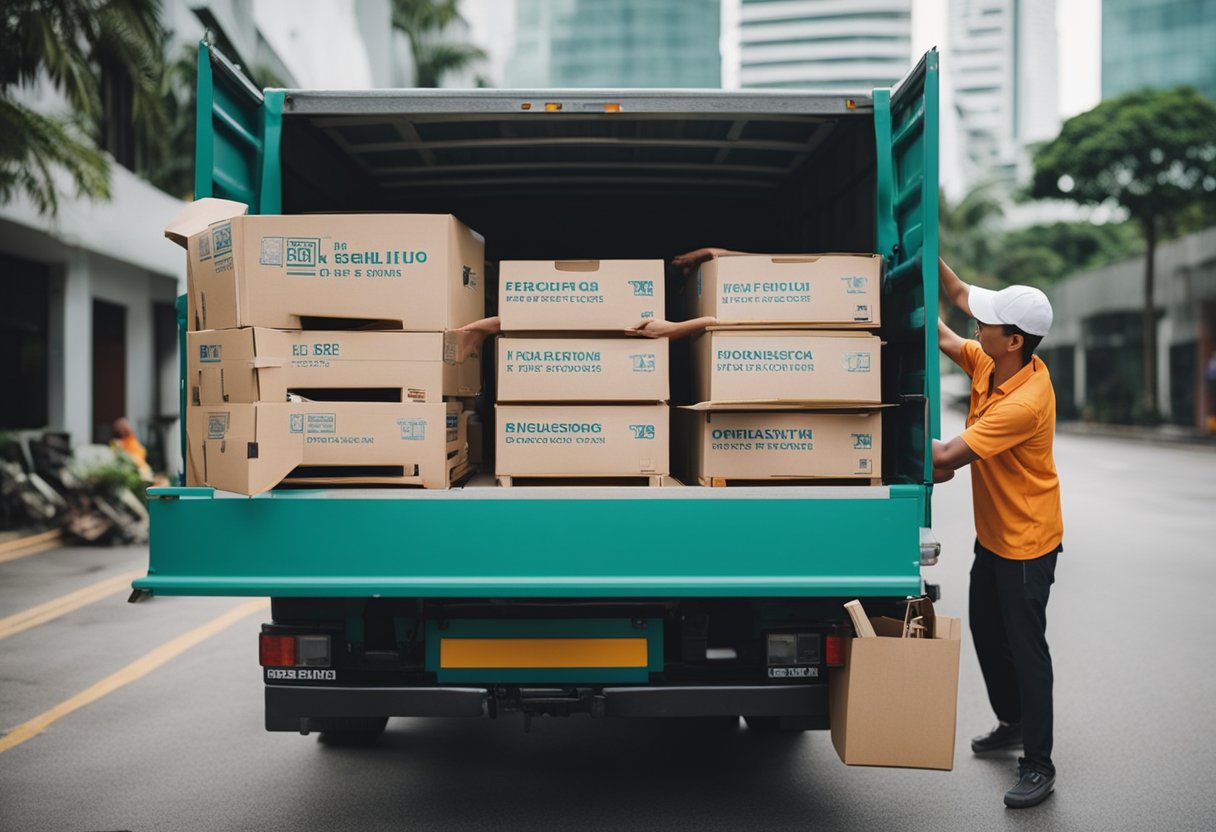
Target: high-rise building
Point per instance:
(1158, 43)
(823, 44)
(1003, 66)
(616, 43)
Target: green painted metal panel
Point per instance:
(228, 132)
(448, 544)
(542, 628)
(906, 133)
(182, 326)
(270, 180)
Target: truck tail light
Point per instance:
(834, 652)
(276, 651)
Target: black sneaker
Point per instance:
(1032, 788)
(1002, 736)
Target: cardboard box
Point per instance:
(419, 272)
(894, 702)
(582, 440)
(734, 365)
(253, 364)
(583, 369)
(819, 289)
(251, 448)
(776, 444)
(578, 295)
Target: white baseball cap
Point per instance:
(1025, 307)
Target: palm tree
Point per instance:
(423, 22)
(86, 50)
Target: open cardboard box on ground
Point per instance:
(251, 448)
(582, 369)
(814, 289)
(807, 366)
(254, 364)
(578, 295)
(895, 701)
(416, 272)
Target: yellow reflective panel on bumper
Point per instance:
(472, 653)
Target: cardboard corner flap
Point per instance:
(201, 213)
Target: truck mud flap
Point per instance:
(287, 705)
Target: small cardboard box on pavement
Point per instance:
(805, 366)
(582, 369)
(253, 364)
(578, 295)
(813, 289)
(416, 272)
(251, 448)
(894, 702)
(582, 440)
(781, 444)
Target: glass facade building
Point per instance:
(1158, 43)
(616, 43)
(853, 45)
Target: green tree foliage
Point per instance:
(82, 48)
(1043, 254)
(423, 22)
(1152, 152)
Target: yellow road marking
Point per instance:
(135, 670)
(49, 611)
(475, 653)
(32, 545)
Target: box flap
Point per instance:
(201, 213)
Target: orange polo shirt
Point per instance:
(1014, 485)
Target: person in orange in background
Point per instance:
(125, 442)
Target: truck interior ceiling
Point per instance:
(575, 185)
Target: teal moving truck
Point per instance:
(613, 601)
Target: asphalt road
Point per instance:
(1132, 620)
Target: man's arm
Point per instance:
(950, 342)
(953, 287)
(948, 457)
(654, 328)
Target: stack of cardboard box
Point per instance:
(284, 380)
(578, 398)
(789, 383)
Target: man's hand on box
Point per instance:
(653, 328)
(690, 260)
(470, 337)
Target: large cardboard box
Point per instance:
(776, 444)
(734, 365)
(419, 272)
(253, 364)
(578, 295)
(251, 448)
(582, 369)
(894, 702)
(818, 289)
(582, 440)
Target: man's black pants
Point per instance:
(1009, 627)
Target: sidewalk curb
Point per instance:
(1147, 436)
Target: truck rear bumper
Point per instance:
(287, 706)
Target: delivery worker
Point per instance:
(1018, 524)
(126, 443)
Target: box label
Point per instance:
(642, 431)
(751, 440)
(217, 425)
(555, 362)
(766, 292)
(856, 284)
(412, 430)
(577, 292)
(310, 423)
(764, 360)
(857, 362)
(643, 362)
(553, 433)
(210, 353)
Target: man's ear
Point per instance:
(1016, 341)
